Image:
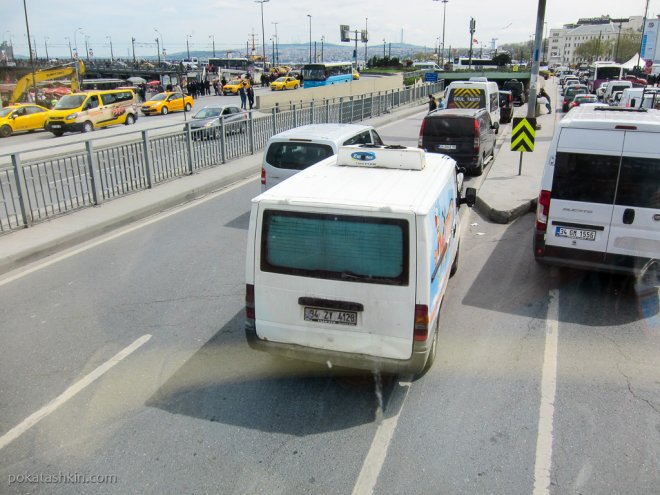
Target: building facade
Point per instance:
(563, 42)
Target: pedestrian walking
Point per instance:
(432, 103)
(241, 93)
(250, 96)
(543, 94)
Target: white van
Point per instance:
(474, 94)
(614, 86)
(640, 98)
(426, 66)
(599, 205)
(294, 150)
(348, 261)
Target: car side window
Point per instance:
(93, 102)
(376, 138)
(227, 111)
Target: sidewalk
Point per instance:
(503, 195)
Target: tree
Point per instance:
(627, 45)
(594, 49)
(501, 59)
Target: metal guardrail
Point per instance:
(37, 189)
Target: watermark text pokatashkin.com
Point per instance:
(62, 478)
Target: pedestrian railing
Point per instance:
(34, 189)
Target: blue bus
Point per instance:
(326, 74)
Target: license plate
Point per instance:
(446, 147)
(56, 126)
(330, 316)
(583, 235)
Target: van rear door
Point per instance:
(336, 281)
(450, 135)
(586, 167)
(635, 229)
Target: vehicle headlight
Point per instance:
(72, 116)
(209, 124)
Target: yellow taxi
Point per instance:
(282, 83)
(164, 103)
(232, 87)
(356, 74)
(22, 118)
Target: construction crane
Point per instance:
(75, 71)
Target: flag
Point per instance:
(476, 41)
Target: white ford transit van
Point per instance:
(348, 261)
(294, 150)
(474, 94)
(599, 205)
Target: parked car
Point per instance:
(569, 94)
(206, 122)
(22, 118)
(167, 102)
(467, 135)
(506, 106)
(282, 83)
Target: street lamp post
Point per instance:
(310, 37)
(112, 55)
(277, 46)
(162, 44)
(212, 36)
(158, 50)
(46, 38)
(27, 28)
(75, 42)
(322, 41)
(133, 44)
(366, 43)
(263, 32)
(384, 44)
(444, 16)
(188, 36)
(70, 50)
(87, 37)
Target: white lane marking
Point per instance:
(34, 418)
(544, 439)
(375, 459)
(91, 244)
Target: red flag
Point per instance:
(475, 40)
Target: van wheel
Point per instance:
(87, 127)
(130, 120)
(164, 111)
(454, 265)
(480, 167)
(5, 131)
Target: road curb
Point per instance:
(504, 216)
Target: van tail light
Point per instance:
(477, 136)
(421, 332)
(249, 302)
(420, 140)
(263, 176)
(511, 98)
(542, 210)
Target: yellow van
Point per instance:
(84, 112)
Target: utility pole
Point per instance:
(641, 41)
(533, 87)
(133, 43)
(158, 51)
(27, 27)
(212, 36)
(263, 32)
(383, 49)
(322, 40)
(366, 42)
(112, 55)
(473, 26)
(276, 58)
(310, 38)
(46, 38)
(70, 50)
(87, 47)
(188, 36)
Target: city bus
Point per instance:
(229, 64)
(603, 71)
(326, 74)
(476, 63)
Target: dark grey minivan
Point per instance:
(466, 135)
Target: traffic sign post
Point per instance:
(523, 134)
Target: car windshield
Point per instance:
(158, 97)
(236, 82)
(208, 113)
(280, 79)
(70, 102)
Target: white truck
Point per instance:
(348, 260)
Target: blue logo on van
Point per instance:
(363, 156)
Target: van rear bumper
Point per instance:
(587, 260)
(342, 359)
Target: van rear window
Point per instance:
(335, 247)
(442, 126)
(639, 183)
(297, 156)
(584, 177)
(466, 98)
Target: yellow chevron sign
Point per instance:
(523, 134)
(465, 98)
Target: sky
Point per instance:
(231, 22)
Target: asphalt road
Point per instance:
(189, 408)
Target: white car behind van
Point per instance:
(599, 205)
(289, 152)
(348, 261)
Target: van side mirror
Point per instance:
(470, 197)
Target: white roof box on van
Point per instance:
(375, 156)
